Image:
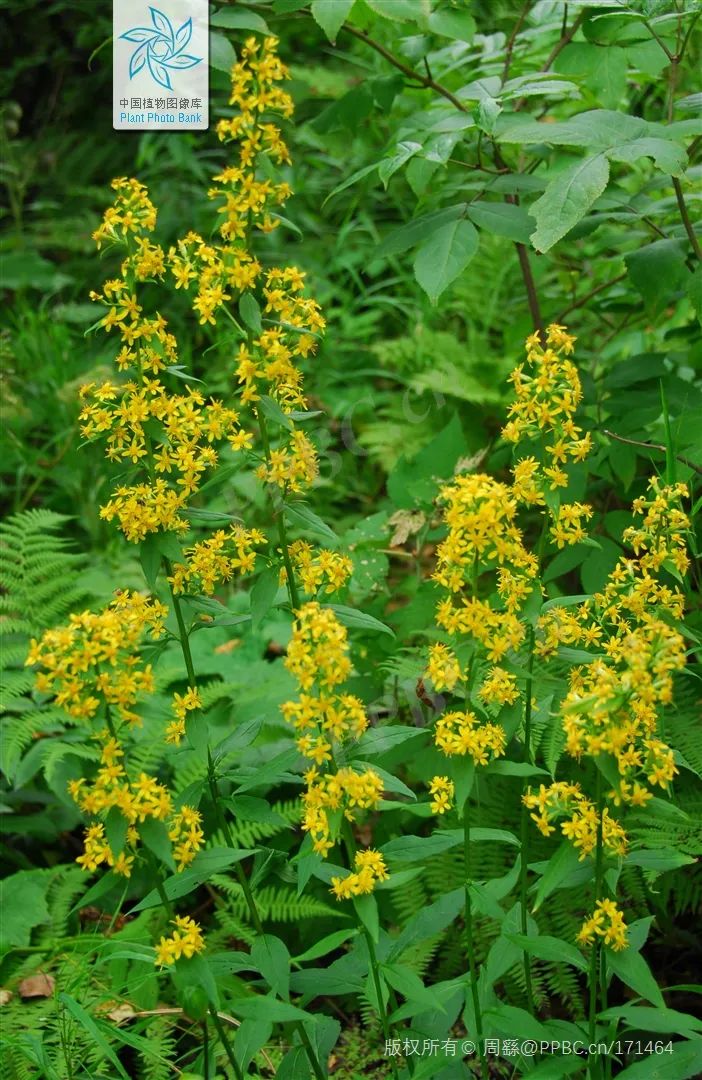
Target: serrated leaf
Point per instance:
(331, 15)
(567, 200)
(240, 19)
(444, 255)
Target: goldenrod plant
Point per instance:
(350, 688)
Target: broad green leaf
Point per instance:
(263, 593)
(251, 1036)
(428, 922)
(658, 860)
(409, 235)
(211, 861)
(327, 944)
(274, 771)
(601, 70)
(567, 199)
(684, 1062)
(260, 1007)
(415, 848)
(250, 312)
(558, 869)
(632, 969)
(273, 411)
(403, 152)
(300, 514)
(23, 906)
(359, 620)
(155, 835)
(240, 19)
(502, 219)
(270, 955)
(222, 55)
(457, 25)
(657, 270)
(444, 255)
(331, 15)
(408, 983)
(550, 948)
(662, 1021)
(381, 739)
(397, 10)
(670, 157)
(366, 908)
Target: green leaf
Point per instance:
(250, 312)
(273, 771)
(211, 861)
(260, 1007)
(662, 1021)
(390, 165)
(240, 19)
(222, 55)
(444, 255)
(86, 1021)
(428, 922)
(251, 1036)
(567, 199)
(300, 514)
(457, 25)
(116, 826)
(558, 869)
(331, 15)
(502, 219)
(327, 944)
(273, 411)
(658, 860)
(263, 593)
(409, 235)
(351, 180)
(359, 620)
(270, 955)
(408, 983)
(396, 10)
(694, 290)
(150, 559)
(550, 948)
(684, 1062)
(366, 908)
(381, 739)
(604, 71)
(23, 906)
(632, 969)
(657, 270)
(155, 835)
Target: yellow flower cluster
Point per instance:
(548, 392)
(325, 569)
(463, 733)
(326, 719)
(186, 940)
(93, 661)
(182, 705)
(499, 687)
(217, 559)
(562, 799)
(136, 800)
(169, 435)
(186, 835)
(613, 702)
(442, 789)
(369, 868)
(607, 923)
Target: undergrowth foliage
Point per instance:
(257, 859)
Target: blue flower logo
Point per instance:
(160, 48)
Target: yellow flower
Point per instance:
(186, 940)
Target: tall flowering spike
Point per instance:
(267, 362)
(326, 718)
(548, 392)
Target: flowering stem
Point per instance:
(224, 1039)
(595, 958)
(278, 514)
(523, 869)
(182, 632)
(470, 948)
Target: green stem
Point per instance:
(596, 951)
(524, 821)
(224, 1039)
(279, 516)
(205, 1049)
(350, 847)
(182, 631)
(470, 946)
